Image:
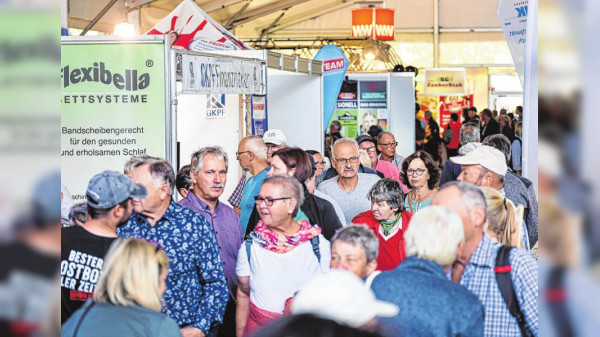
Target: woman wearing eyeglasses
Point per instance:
(421, 174)
(279, 256)
(127, 299)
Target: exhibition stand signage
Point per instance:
(376, 23)
(335, 65)
(512, 15)
(444, 82)
(206, 75)
(112, 106)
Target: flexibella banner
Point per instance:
(112, 107)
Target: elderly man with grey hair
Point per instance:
(349, 188)
(252, 156)
(469, 140)
(208, 172)
(427, 299)
(355, 248)
(519, 190)
(388, 220)
(475, 264)
(196, 292)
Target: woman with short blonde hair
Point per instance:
(505, 220)
(127, 299)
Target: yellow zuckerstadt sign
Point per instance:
(444, 82)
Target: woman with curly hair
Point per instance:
(421, 174)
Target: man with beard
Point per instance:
(83, 247)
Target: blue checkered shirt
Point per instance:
(480, 279)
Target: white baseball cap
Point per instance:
(341, 296)
(486, 156)
(274, 136)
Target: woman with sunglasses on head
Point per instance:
(278, 257)
(127, 298)
(421, 174)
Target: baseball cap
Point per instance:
(486, 156)
(109, 188)
(341, 296)
(364, 138)
(274, 136)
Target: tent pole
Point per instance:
(98, 17)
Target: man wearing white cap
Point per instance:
(484, 167)
(275, 140)
(341, 296)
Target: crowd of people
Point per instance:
(311, 244)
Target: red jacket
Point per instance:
(455, 141)
(391, 251)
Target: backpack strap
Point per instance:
(248, 243)
(315, 247)
(502, 271)
(555, 296)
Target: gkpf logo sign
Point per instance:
(215, 107)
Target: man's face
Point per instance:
(427, 115)
(472, 174)
(370, 148)
(450, 197)
(471, 113)
(156, 194)
(350, 257)
(272, 148)
(209, 182)
(387, 145)
(126, 213)
(244, 157)
(346, 160)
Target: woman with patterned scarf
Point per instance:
(279, 257)
(388, 220)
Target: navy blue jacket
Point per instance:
(430, 304)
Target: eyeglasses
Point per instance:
(369, 149)
(320, 163)
(273, 147)
(343, 161)
(268, 201)
(419, 172)
(237, 154)
(389, 144)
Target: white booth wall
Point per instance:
(401, 106)
(196, 130)
(294, 105)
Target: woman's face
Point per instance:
(368, 121)
(502, 122)
(417, 173)
(382, 210)
(319, 163)
(162, 284)
(278, 167)
(280, 211)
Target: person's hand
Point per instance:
(192, 332)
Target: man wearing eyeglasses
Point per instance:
(349, 188)
(386, 144)
(389, 170)
(275, 140)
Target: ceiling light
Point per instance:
(124, 29)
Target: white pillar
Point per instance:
(530, 96)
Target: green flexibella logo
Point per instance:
(129, 81)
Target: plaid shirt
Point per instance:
(480, 279)
(236, 197)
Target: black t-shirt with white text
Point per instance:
(82, 258)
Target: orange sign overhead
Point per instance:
(377, 23)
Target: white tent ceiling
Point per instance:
(297, 18)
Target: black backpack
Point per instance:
(505, 284)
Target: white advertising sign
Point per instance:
(214, 75)
(512, 15)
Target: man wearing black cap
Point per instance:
(109, 206)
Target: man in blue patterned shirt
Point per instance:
(474, 267)
(196, 292)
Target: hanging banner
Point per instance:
(112, 107)
(444, 82)
(335, 65)
(214, 75)
(197, 30)
(512, 15)
(259, 115)
(453, 104)
(376, 23)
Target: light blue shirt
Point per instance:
(250, 191)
